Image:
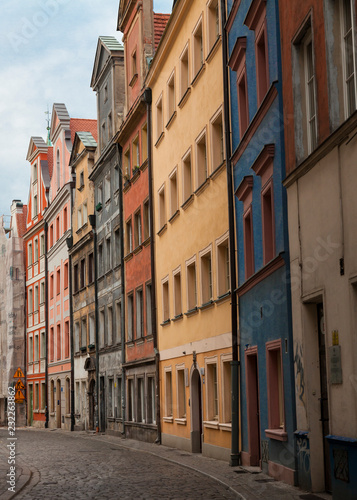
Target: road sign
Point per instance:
(19, 397)
(19, 385)
(19, 373)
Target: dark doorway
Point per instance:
(196, 403)
(92, 405)
(102, 405)
(253, 408)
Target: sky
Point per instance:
(47, 50)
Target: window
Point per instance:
(148, 309)
(101, 327)
(127, 169)
(213, 26)
(243, 103)
(177, 294)
(165, 301)
(106, 92)
(139, 314)
(58, 281)
(79, 217)
(90, 268)
(75, 278)
(206, 278)
(58, 228)
(116, 178)
(181, 392)
(134, 69)
(111, 399)
(35, 206)
(141, 401)
(68, 396)
(43, 396)
(30, 349)
(37, 348)
(130, 399)
(129, 237)
(136, 153)
(100, 193)
(223, 268)
(212, 391)
(83, 332)
(117, 245)
(173, 193)
(81, 180)
(130, 317)
(248, 243)
(310, 93)
(186, 176)
(151, 417)
(168, 393)
(237, 64)
(100, 259)
(226, 389)
(110, 126)
(171, 103)
(137, 229)
(191, 285)
(29, 257)
(184, 72)
(103, 135)
(76, 336)
(198, 48)
(268, 223)
(85, 213)
(217, 140)
(58, 170)
(119, 413)
(107, 188)
(117, 330)
(146, 219)
(52, 396)
(65, 277)
(261, 54)
(66, 339)
(144, 143)
(52, 344)
(58, 342)
(275, 387)
(91, 330)
(34, 172)
(349, 56)
(162, 207)
(51, 235)
(30, 301)
(201, 159)
(43, 345)
(37, 396)
(108, 244)
(159, 119)
(36, 250)
(110, 325)
(42, 244)
(36, 299)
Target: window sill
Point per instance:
(181, 421)
(214, 48)
(166, 322)
(127, 185)
(168, 420)
(184, 97)
(133, 80)
(178, 317)
(191, 312)
(211, 424)
(81, 187)
(130, 343)
(223, 298)
(218, 170)
(172, 118)
(207, 305)
(188, 202)
(52, 414)
(128, 256)
(278, 434)
(146, 242)
(139, 341)
(174, 216)
(162, 230)
(160, 138)
(198, 74)
(225, 427)
(137, 249)
(144, 165)
(202, 187)
(136, 174)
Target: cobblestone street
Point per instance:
(56, 464)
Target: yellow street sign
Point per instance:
(19, 397)
(19, 385)
(19, 373)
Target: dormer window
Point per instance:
(34, 172)
(134, 69)
(81, 180)
(105, 92)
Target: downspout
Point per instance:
(92, 220)
(122, 277)
(70, 244)
(148, 100)
(235, 364)
(46, 326)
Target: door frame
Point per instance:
(196, 410)
(253, 406)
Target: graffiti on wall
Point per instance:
(299, 373)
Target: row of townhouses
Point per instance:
(190, 255)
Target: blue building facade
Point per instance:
(268, 417)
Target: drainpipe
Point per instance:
(122, 278)
(46, 325)
(148, 100)
(93, 224)
(235, 364)
(69, 245)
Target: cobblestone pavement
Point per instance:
(54, 464)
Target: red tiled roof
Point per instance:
(160, 21)
(21, 222)
(50, 161)
(83, 125)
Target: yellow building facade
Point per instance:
(191, 226)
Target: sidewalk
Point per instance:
(247, 483)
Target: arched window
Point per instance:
(58, 170)
(68, 396)
(52, 396)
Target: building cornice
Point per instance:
(57, 201)
(34, 229)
